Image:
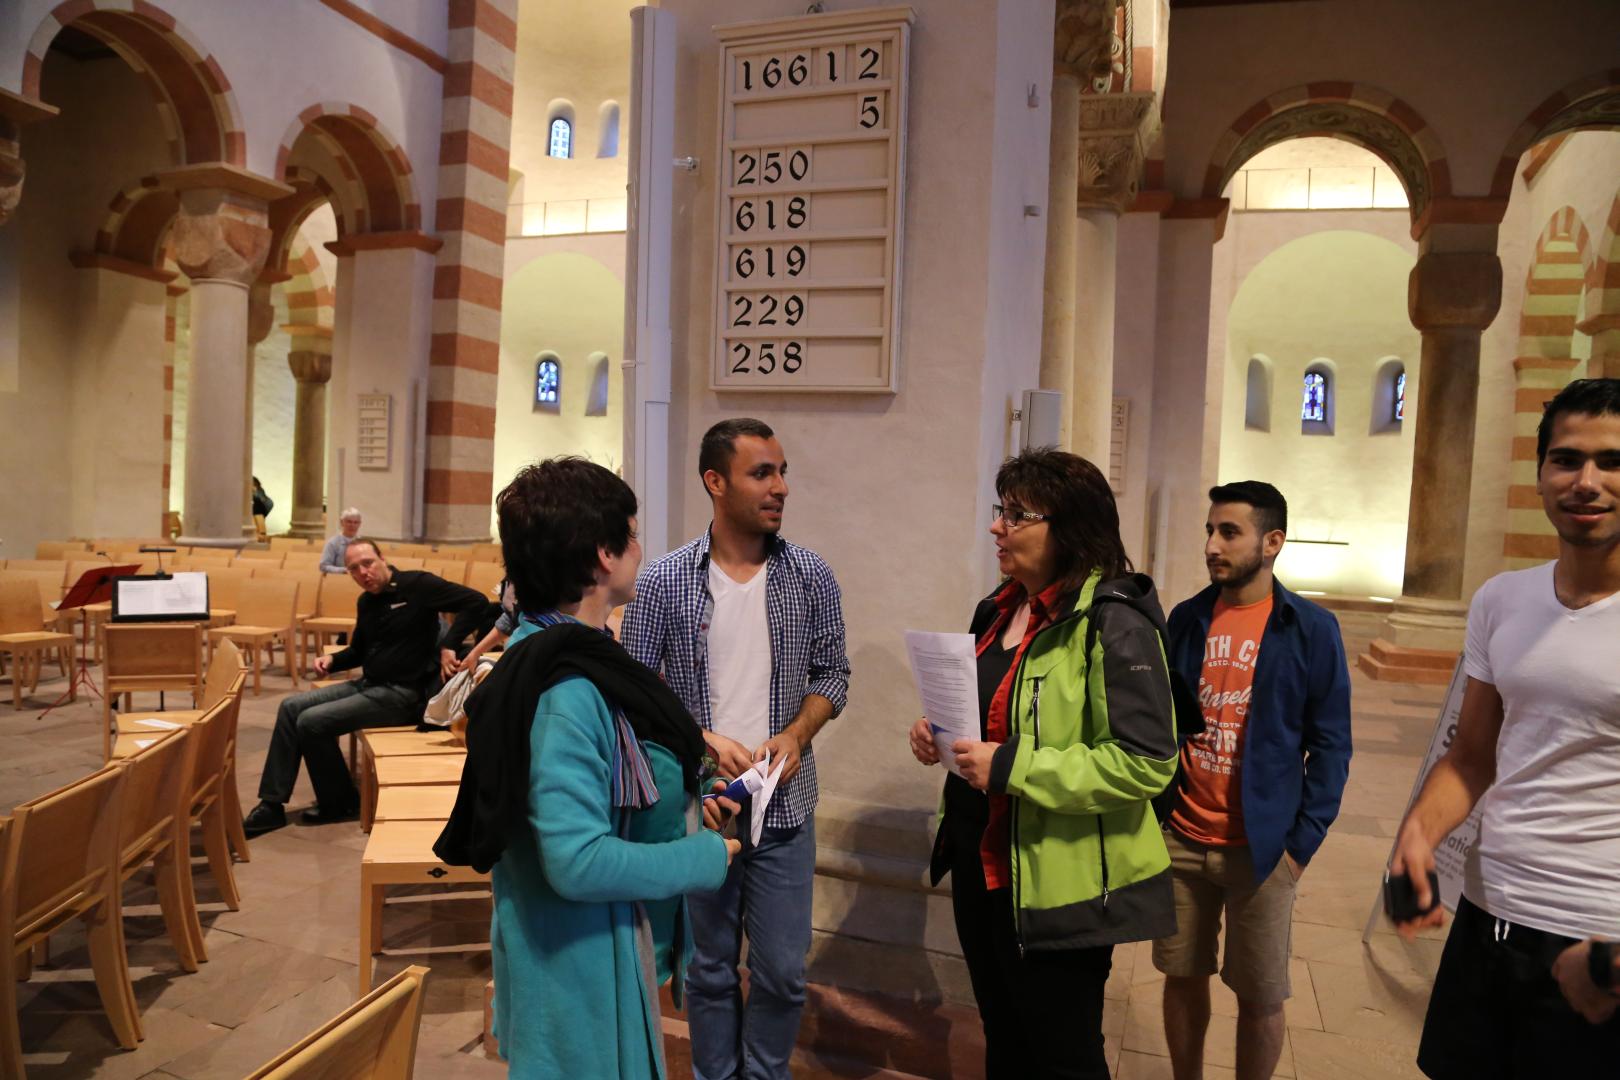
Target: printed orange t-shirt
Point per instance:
(1209, 807)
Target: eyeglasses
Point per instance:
(1014, 518)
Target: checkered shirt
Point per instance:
(666, 627)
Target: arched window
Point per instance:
(596, 403)
(1316, 400)
(547, 382)
(1257, 397)
(562, 138)
(1389, 396)
(607, 126)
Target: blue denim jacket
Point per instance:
(1296, 744)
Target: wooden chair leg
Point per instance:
(179, 907)
(106, 727)
(111, 966)
(256, 671)
(218, 848)
(287, 653)
(16, 680)
(371, 910)
(11, 1059)
(232, 797)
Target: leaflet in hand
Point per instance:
(757, 784)
(946, 669)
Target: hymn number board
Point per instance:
(812, 153)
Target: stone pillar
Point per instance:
(261, 318)
(311, 362)
(1452, 297)
(1063, 188)
(1114, 129)
(1604, 329)
(221, 237)
(15, 111)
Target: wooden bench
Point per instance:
(419, 803)
(399, 853)
(374, 1038)
(395, 742)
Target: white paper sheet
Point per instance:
(946, 669)
(159, 724)
(182, 594)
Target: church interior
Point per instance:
(381, 254)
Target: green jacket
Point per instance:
(1092, 741)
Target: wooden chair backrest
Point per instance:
(210, 754)
(58, 565)
(60, 549)
(373, 1039)
(20, 603)
(486, 552)
(290, 543)
(63, 854)
(153, 796)
(419, 551)
(267, 603)
(404, 562)
(308, 582)
(76, 568)
(455, 571)
(225, 585)
(254, 556)
(153, 649)
(338, 595)
(485, 577)
(302, 560)
(211, 555)
(224, 671)
(457, 552)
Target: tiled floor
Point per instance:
(286, 961)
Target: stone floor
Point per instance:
(286, 961)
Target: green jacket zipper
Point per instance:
(1102, 850)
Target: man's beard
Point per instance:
(1240, 572)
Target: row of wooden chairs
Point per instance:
(68, 549)
(67, 855)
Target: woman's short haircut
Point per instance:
(351, 514)
(554, 515)
(1079, 507)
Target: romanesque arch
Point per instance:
(1365, 115)
(194, 99)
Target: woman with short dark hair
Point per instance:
(581, 791)
(1049, 835)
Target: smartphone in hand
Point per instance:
(1400, 897)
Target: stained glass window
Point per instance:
(1315, 403)
(562, 138)
(546, 383)
(1400, 396)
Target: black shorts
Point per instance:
(1496, 1011)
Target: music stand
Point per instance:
(95, 586)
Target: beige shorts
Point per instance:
(1259, 920)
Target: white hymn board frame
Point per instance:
(810, 202)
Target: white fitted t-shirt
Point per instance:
(1549, 849)
(739, 658)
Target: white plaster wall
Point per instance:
(1136, 311)
(578, 50)
(275, 394)
(1585, 175)
(1340, 295)
(1474, 69)
(571, 304)
(281, 58)
(888, 489)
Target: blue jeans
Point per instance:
(308, 726)
(766, 895)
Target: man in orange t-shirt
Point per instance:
(1275, 693)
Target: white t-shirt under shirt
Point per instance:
(739, 658)
(1549, 849)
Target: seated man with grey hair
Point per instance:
(332, 553)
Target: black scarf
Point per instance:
(494, 793)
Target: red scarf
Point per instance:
(995, 850)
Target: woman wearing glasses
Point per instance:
(1048, 831)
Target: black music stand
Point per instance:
(94, 586)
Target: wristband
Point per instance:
(1600, 964)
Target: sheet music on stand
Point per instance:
(161, 598)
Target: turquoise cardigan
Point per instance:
(585, 897)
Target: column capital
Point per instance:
(311, 336)
(261, 313)
(1454, 290)
(1115, 130)
(1083, 40)
(222, 231)
(310, 365)
(15, 111)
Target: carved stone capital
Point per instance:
(12, 171)
(15, 111)
(310, 366)
(1454, 290)
(1115, 131)
(1082, 42)
(261, 313)
(221, 235)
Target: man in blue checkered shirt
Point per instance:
(748, 630)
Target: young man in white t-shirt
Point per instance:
(748, 630)
(1538, 745)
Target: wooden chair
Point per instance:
(60, 549)
(410, 550)
(154, 828)
(417, 803)
(148, 657)
(224, 588)
(303, 560)
(485, 577)
(373, 1039)
(450, 569)
(266, 612)
(309, 591)
(24, 639)
(58, 565)
(404, 562)
(334, 612)
(221, 556)
(254, 556)
(487, 552)
(399, 853)
(61, 864)
(215, 737)
(288, 543)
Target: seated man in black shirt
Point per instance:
(396, 646)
